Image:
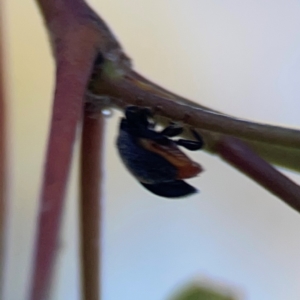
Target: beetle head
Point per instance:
(136, 117)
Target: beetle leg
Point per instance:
(197, 135)
(172, 130)
(192, 145)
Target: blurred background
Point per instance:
(240, 57)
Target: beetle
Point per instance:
(153, 158)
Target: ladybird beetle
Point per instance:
(153, 158)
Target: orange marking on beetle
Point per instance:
(185, 166)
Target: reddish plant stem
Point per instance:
(2, 157)
(68, 103)
(239, 155)
(77, 36)
(74, 63)
(50, 9)
(91, 205)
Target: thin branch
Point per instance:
(66, 114)
(128, 91)
(248, 162)
(75, 51)
(78, 35)
(2, 158)
(91, 206)
(168, 94)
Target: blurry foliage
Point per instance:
(197, 292)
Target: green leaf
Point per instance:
(281, 156)
(196, 292)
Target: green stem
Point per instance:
(130, 91)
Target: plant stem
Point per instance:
(3, 211)
(129, 91)
(66, 114)
(74, 53)
(91, 205)
(245, 160)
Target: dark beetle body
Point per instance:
(145, 165)
(154, 159)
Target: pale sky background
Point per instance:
(240, 57)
